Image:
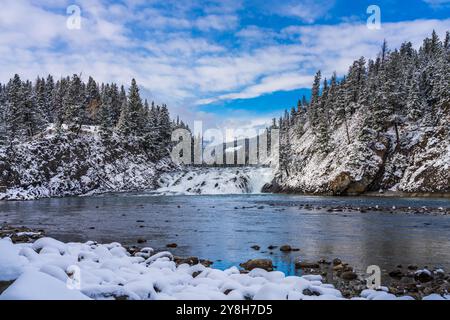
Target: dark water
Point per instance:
(211, 227)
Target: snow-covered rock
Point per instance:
(35, 285)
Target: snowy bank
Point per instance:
(65, 165)
(50, 269)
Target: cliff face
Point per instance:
(419, 163)
(55, 166)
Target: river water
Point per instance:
(223, 228)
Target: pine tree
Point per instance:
(116, 103)
(73, 104)
(315, 100)
(93, 101)
(131, 120)
(13, 112)
(58, 107)
(49, 90)
(415, 103)
(32, 116)
(3, 136)
(105, 116)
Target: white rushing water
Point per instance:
(211, 181)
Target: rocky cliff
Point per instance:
(64, 165)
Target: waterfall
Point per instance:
(211, 181)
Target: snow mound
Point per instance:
(30, 286)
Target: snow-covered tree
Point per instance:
(74, 105)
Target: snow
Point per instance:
(11, 264)
(51, 270)
(35, 285)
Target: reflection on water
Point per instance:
(220, 229)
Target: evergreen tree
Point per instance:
(315, 99)
(93, 101)
(131, 120)
(105, 116)
(48, 106)
(73, 104)
(32, 116)
(13, 110)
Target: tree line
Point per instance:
(399, 87)
(28, 109)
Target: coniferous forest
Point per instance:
(384, 125)
(69, 137)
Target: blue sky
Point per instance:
(229, 63)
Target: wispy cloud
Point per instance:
(192, 52)
(438, 3)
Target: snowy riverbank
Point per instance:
(50, 269)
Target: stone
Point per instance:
(337, 262)
(349, 275)
(424, 276)
(286, 248)
(265, 264)
(172, 245)
(140, 240)
(192, 261)
(338, 268)
(256, 247)
(206, 263)
(306, 265)
(397, 274)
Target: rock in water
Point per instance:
(306, 265)
(349, 276)
(265, 264)
(286, 248)
(423, 276)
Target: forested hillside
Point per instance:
(69, 137)
(384, 126)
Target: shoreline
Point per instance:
(371, 194)
(412, 281)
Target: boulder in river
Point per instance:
(423, 276)
(286, 248)
(306, 265)
(337, 262)
(265, 264)
(397, 274)
(349, 275)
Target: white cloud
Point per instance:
(437, 3)
(307, 11)
(175, 63)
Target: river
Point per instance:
(223, 228)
